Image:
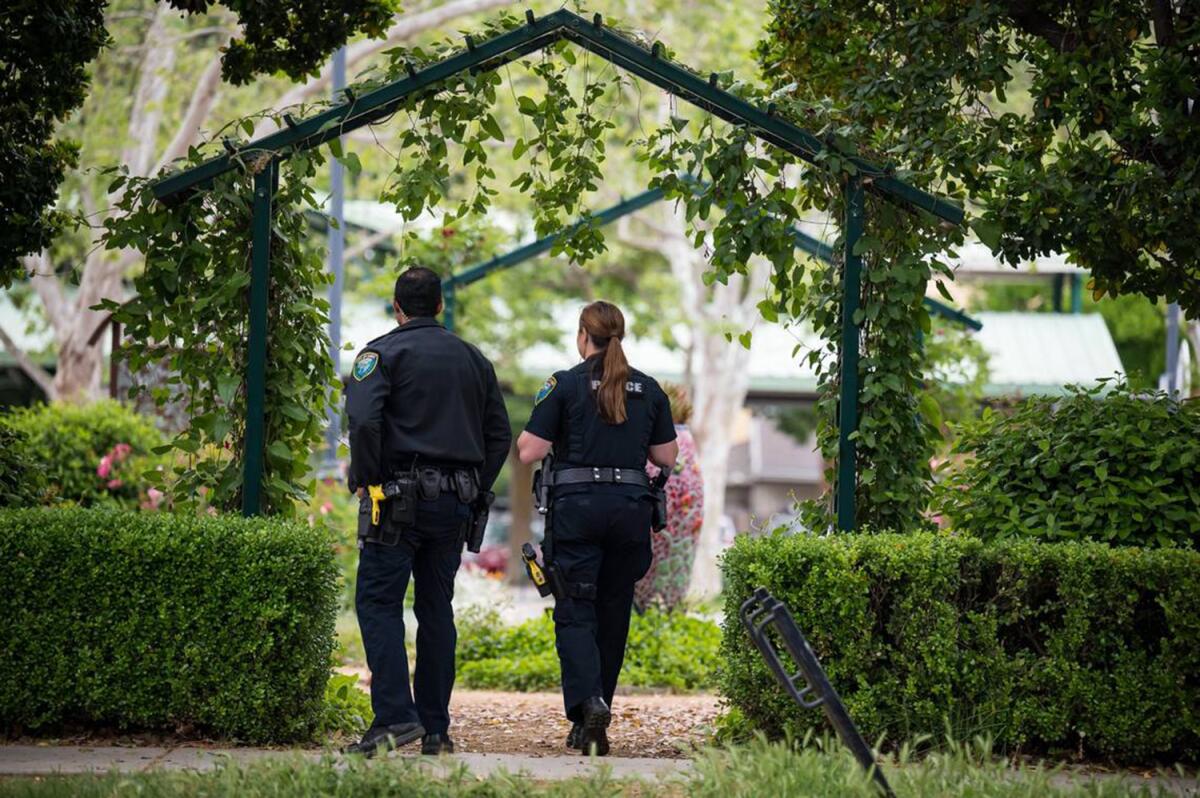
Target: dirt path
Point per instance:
(658, 726)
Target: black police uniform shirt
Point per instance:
(421, 390)
(566, 413)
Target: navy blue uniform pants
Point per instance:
(602, 539)
(430, 554)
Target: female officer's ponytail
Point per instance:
(605, 325)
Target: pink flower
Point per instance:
(113, 484)
(326, 508)
(122, 450)
(153, 497)
(105, 467)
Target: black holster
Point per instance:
(658, 493)
(481, 508)
(543, 484)
(399, 514)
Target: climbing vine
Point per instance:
(192, 314)
(740, 196)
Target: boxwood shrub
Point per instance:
(1041, 646)
(219, 625)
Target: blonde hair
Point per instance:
(681, 403)
(605, 325)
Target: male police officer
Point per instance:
(425, 414)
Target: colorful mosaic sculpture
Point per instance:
(666, 583)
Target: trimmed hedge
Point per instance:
(219, 625)
(1039, 645)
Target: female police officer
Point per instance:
(603, 420)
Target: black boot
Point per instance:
(385, 738)
(434, 744)
(593, 736)
(573, 736)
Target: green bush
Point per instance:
(1041, 645)
(220, 625)
(347, 707)
(666, 650)
(1118, 468)
(21, 480)
(68, 442)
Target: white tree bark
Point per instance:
(719, 368)
(80, 353)
(80, 357)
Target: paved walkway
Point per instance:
(32, 760)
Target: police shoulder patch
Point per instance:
(545, 391)
(365, 364)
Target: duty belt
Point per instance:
(600, 476)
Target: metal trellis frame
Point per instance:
(536, 34)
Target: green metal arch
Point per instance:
(537, 34)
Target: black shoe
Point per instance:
(434, 744)
(573, 736)
(593, 734)
(385, 738)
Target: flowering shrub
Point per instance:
(89, 454)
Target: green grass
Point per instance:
(757, 769)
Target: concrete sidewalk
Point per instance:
(34, 760)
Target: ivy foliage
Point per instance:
(192, 313)
(1073, 126)
(1099, 464)
(740, 202)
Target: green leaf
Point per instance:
(988, 231)
(227, 384)
(867, 243)
(351, 162)
(744, 339)
(768, 311)
(490, 126)
(279, 450)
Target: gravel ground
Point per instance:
(656, 726)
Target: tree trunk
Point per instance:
(719, 370)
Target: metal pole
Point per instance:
(256, 366)
(449, 304)
(847, 471)
(1173, 349)
(337, 239)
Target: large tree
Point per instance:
(158, 87)
(1072, 126)
(44, 78)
